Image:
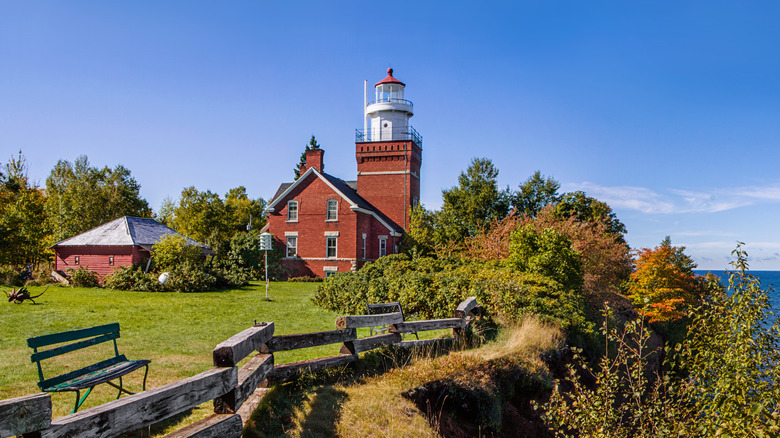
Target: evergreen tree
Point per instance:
(312, 146)
(535, 193)
(473, 205)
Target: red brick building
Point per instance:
(126, 241)
(330, 225)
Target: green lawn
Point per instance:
(176, 331)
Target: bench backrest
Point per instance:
(382, 308)
(96, 335)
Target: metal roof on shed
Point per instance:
(125, 231)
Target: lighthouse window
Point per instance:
(333, 210)
(292, 211)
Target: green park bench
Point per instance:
(88, 377)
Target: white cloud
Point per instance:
(677, 201)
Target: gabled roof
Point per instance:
(125, 231)
(345, 189)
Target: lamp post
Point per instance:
(266, 244)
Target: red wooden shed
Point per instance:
(125, 241)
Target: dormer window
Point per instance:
(292, 211)
(333, 210)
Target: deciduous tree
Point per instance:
(81, 197)
(664, 285)
(606, 261)
(202, 216)
(23, 228)
(240, 208)
(586, 209)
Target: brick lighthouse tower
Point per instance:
(389, 152)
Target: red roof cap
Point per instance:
(389, 79)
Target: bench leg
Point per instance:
(120, 388)
(119, 393)
(79, 402)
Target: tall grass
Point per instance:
(375, 405)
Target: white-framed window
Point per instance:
(333, 210)
(331, 246)
(292, 246)
(110, 260)
(364, 245)
(292, 211)
(382, 246)
(330, 270)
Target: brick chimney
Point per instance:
(314, 158)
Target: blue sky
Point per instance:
(668, 111)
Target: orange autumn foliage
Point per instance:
(664, 285)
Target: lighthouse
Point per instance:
(388, 151)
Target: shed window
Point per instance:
(292, 211)
(110, 260)
(333, 210)
(76, 260)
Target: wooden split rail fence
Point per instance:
(226, 384)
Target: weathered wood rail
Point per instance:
(229, 386)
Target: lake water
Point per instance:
(769, 279)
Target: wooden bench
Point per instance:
(88, 377)
(382, 308)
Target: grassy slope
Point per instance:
(176, 331)
(374, 406)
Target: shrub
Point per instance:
(306, 279)
(42, 275)
(10, 276)
(172, 250)
(229, 278)
(627, 400)
(245, 254)
(82, 277)
(130, 278)
(433, 288)
(722, 380)
(187, 277)
(548, 253)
